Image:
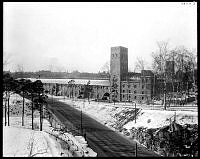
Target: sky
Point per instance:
(67, 36)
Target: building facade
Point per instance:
(120, 87)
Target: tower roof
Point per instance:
(119, 47)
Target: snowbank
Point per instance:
(158, 118)
(21, 141)
(108, 114)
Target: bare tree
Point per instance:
(106, 67)
(114, 87)
(19, 68)
(50, 67)
(6, 60)
(159, 59)
(140, 64)
(185, 63)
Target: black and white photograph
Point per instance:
(100, 79)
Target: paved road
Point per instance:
(104, 141)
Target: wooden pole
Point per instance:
(32, 109)
(135, 149)
(23, 111)
(8, 112)
(135, 113)
(5, 110)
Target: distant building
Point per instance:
(122, 85)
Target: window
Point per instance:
(135, 92)
(142, 92)
(129, 96)
(142, 86)
(135, 97)
(128, 86)
(123, 91)
(123, 96)
(142, 98)
(123, 85)
(135, 86)
(129, 91)
(142, 80)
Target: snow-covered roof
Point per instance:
(76, 81)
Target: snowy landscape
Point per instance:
(100, 79)
(21, 141)
(120, 117)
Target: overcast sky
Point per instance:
(78, 36)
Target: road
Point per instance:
(104, 141)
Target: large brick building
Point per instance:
(128, 86)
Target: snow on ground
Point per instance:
(98, 111)
(21, 141)
(160, 118)
(105, 113)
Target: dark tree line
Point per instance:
(182, 70)
(61, 75)
(27, 89)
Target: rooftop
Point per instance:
(76, 81)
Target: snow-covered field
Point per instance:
(21, 141)
(106, 114)
(157, 118)
(149, 123)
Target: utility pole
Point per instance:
(8, 111)
(82, 118)
(135, 113)
(23, 110)
(52, 94)
(154, 85)
(5, 108)
(32, 108)
(135, 149)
